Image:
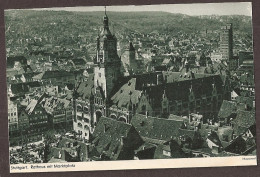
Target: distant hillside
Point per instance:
(144, 22)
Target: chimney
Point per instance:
(105, 128)
(159, 78)
(122, 140)
(87, 150)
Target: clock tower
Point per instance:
(108, 63)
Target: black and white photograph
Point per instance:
(163, 86)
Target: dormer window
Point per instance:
(166, 153)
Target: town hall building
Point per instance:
(108, 92)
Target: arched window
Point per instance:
(123, 119)
(79, 108)
(79, 125)
(98, 115)
(86, 127)
(113, 116)
(85, 109)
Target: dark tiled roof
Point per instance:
(79, 61)
(29, 75)
(225, 131)
(156, 128)
(243, 121)
(12, 59)
(214, 138)
(245, 118)
(19, 88)
(52, 74)
(52, 103)
(127, 95)
(200, 87)
(188, 133)
(252, 129)
(111, 136)
(30, 108)
(227, 109)
(86, 88)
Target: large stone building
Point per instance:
(111, 94)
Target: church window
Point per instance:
(99, 74)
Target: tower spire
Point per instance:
(105, 23)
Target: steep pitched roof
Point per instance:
(51, 103)
(110, 136)
(245, 118)
(156, 128)
(127, 94)
(227, 109)
(214, 138)
(19, 88)
(30, 108)
(243, 121)
(86, 88)
(33, 103)
(225, 132)
(186, 132)
(12, 59)
(52, 74)
(79, 62)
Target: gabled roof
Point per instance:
(52, 103)
(12, 59)
(227, 109)
(252, 129)
(52, 74)
(127, 95)
(30, 108)
(187, 133)
(86, 88)
(33, 103)
(19, 88)
(214, 138)
(225, 131)
(200, 87)
(110, 136)
(156, 128)
(245, 118)
(79, 62)
(243, 121)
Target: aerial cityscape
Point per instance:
(105, 85)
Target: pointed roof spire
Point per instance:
(131, 47)
(106, 30)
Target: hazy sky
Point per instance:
(238, 8)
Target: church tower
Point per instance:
(108, 63)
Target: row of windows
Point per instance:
(59, 112)
(11, 114)
(12, 110)
(36, 123)
(12, 119)
(39, 117)
(37, 130)
(98, 101)
(37, 112)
